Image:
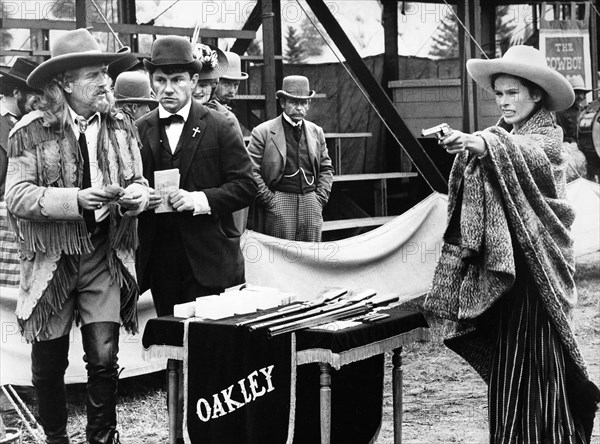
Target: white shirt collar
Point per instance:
(183, 112)
(290, 121)
(4, 109)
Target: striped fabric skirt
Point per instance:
(528, 389)
(10, 263)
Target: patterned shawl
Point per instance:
(519, 188)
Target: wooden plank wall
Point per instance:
(345, 109)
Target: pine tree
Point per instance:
(254, 49)
(313, 42)
(295, 52)
(445, 40)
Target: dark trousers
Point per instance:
(172, 279)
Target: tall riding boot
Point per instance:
(49, 361)
(101, 345)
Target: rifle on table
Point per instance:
(331, 305)
(327, 295)
(350, 310)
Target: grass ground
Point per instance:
(444, 399)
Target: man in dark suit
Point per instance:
(291, 167)
(194, 250)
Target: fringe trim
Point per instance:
(337, 360)
(126, 235)
(129, 298)
(51, 301)
(162, 352)
(129, 292)
(29, 133)
(54, 237)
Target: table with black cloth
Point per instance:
(349, 373)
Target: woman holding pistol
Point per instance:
(505, 275)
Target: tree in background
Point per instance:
(255, 48)
(6, 39)
(294, 52)
(445, 40)
(313, 42)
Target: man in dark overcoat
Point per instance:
(195, 249)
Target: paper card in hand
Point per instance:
(165, 182)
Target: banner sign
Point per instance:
(568, 52)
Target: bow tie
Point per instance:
(173, 118)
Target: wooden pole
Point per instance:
(81, 14)
(269, 73)
(379, 98)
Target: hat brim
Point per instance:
(559, 92)
(194, 65)
(136, 100)
(243, 76)
(215, 73)
(12, 78)
(281, 93)
(67, 62)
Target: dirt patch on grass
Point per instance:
(445, 401)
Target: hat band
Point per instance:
(170, 62)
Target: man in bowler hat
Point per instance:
(75, 187)
(291, 167)
(193, 250)
(133, 94)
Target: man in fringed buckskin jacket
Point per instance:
(74, 188)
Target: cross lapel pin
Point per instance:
(196, 131)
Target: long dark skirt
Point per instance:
(528, 392)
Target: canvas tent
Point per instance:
(398, 257)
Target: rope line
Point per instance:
(107, 24)
(594, 7)
(35, 434)
(364, 93)
(169, 7)
(20, 47)
(466, 30)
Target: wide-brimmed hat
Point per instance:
(578, 84)
(17, 74)
(234, 67)
(528, 63)
(133, 87)
(214, 61)
(72, 50)
(295, 87)
(126, 63)
(172, 50)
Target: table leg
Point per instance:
(172, 397)
(397, 393)
(325, 403)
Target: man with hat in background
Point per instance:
(75, 187)
(127, 63)
(193, 250)
(133, 94)
(568, 118)
(230, 81)
(291, 167)
(17, 99)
